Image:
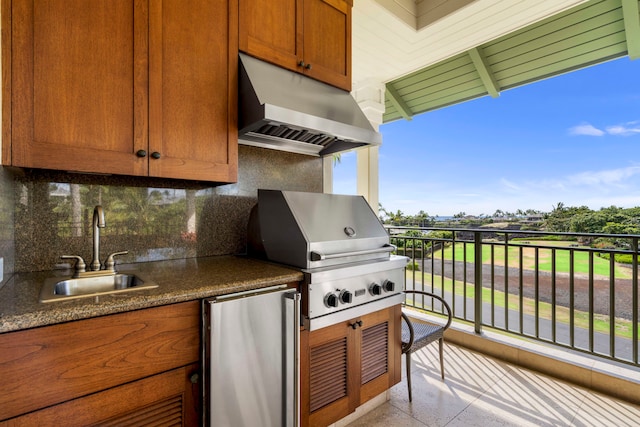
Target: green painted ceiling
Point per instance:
(594, 32)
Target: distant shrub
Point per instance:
(413, 265)
(621, 258)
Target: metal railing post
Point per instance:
(477, 298)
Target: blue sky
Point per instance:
(574, 139)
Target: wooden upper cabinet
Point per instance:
(193, 89)
(78, 80)
(327, 41)
(269, 30)
(307, 36)
(101, 85)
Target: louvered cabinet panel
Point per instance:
(380, 353)
(328, 373)
(328, 385)
(342, 367)
(375, 346)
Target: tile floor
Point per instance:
(481, 391)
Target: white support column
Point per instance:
(327, 174)
(367, 177)
(370, 96)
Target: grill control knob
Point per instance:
(331, 300)
(346, 297)
(375, 289)
(388, 286)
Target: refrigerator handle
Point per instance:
(292, 303)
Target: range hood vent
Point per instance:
(283, 110)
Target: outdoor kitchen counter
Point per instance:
(177, 280)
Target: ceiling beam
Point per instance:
(398, 102)
(484, 70)
(631, 15)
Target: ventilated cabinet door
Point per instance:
(380, 353)
(347, 364)
(330, 362)
(79, 85)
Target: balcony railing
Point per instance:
(559, 288)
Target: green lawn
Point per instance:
(562, 254)
(563, 315)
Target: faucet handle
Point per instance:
(80, 265)
(110, 263)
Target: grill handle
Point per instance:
(317, 256)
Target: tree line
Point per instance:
(561, 218)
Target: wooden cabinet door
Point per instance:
(193, 89)
(347, 364)
(327, 41)
(380, 352)
(329, 387)
(307, 36)
(165, 399)
(270, 30)
(46, 366)
(78, 85)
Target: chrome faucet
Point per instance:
(95, 268)
(98, 223)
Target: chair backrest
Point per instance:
(407, 321)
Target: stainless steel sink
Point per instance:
(63, 289)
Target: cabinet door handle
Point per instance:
(308, 66)
(155, 155)
(141, 153)
(355, 325)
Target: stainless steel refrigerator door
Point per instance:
(252, 359)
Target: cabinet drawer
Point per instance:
(164, 399)
(52, 364)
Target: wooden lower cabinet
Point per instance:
(125, 366)
(170, 398)
(345, 365)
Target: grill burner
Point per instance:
(339, 244)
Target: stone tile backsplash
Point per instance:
(7, 204)
(46, 214)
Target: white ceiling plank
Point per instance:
(385, 47)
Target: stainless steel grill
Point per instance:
(340, 245)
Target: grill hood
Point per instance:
(310, 230)
(283, 110)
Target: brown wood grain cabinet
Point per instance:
(130, 366)
(312, 37)
(347, 364)
(132, 87)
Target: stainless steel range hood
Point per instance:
(283, 110)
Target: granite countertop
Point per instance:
(177, 280)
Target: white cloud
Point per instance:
(586, 129)
(604, 177)
(627, 129)
(509, 185)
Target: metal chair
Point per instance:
(418, 334)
